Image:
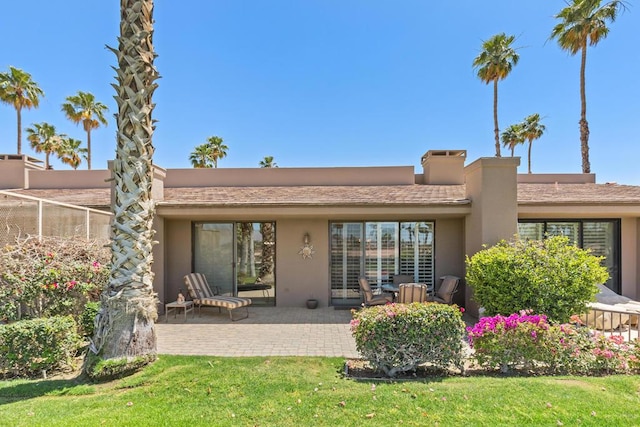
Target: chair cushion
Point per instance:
(224, 302)
(447, 287)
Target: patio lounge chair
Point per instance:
(369, 297)
(412, 292)
(448, 287)
(201, 294)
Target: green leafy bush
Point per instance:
(549, 276)
(88, 317)
(530, 342)
(51, 277)
(29, 347)
(400, 337)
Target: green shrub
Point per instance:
(28, 347)
(88, 317)
(400, 337)
(549, 276)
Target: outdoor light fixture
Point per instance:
(307, 248)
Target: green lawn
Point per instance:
(301, 391)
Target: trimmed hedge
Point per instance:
(29, 347)
(399, 337)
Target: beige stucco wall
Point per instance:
(630, 247)
(381, 175)
(177, 258)
(298, 279)
(41, 179)
(491, 185)
(449, 247)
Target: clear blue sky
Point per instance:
(336, 82)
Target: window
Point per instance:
(378, 250)
(602, 237)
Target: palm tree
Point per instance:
(584, 22)
(268, 238)
(512, 137)
(19, 90)
(532, 129)
(494, 63)
(71, 153)
(125, 332)
(201, 156)
(83, 108)
(268, 162)
(44, 139)
(218, 149)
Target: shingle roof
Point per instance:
(317, 195)
(578, 194)
(89, 197)
(528, 194)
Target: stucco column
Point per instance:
(491, 185)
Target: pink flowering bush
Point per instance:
(51, 277)
(399, 337)
(530, 342)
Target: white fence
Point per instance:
(22, 215)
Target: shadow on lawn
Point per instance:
(18, 389)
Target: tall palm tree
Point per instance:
(584, 22)
(512, 137)
(268, 162)
(494, 63)
(200, 157)
(20, 91)
(83, 108)
(71, 153)
(125, 324)
(218, 149)
(532, 129)
(44, 139)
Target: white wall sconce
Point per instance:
(306, 250)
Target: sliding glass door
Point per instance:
(378, 250)
(237, 258)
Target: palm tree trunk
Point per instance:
(89, 149)
(125, 323)
(496, 129)
(529, 157)
(584, 125)
(19, 113)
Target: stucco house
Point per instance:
(310, 232)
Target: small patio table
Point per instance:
(187, 306)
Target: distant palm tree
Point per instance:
(268, 238)
(44, 139)
(19, 90)
(512, 137)
(201, 156)
(268, 162)
(218, 149)
(71, 153)
(584, 22)
(494, 63)
(532, 129)
(83, 108)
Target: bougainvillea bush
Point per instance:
(397, 338)
(52, 276)
(529, 342)
(549, 276)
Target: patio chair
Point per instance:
(369, 297)
(444, 293)
(203, 295)
(412, 292)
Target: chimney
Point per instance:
(444, 167)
